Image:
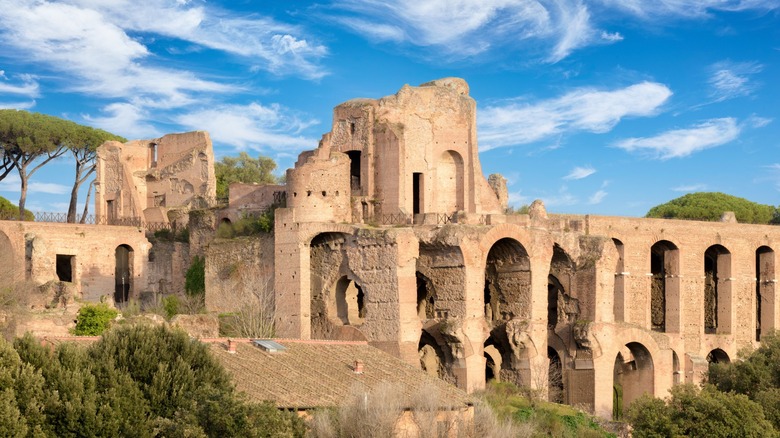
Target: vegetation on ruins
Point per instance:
(94, 319)
(709, 206)
(135, 382)
(28, 141)
(243, 169)
(741, 398)
(248, 225)
(195, 277)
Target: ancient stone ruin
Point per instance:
(389, 232)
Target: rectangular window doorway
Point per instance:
(65, 267)
(417, 183)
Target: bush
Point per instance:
(94, 319)
(171, 305)
(248, 225)
(195, 278)
(709, 206)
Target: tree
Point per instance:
(8, 211)
(691, 411)
(709, 206)
(243, 169)
(30, 140)
(85, 142)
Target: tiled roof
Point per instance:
(309, 374)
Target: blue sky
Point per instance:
(603, 106)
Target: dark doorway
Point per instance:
(65, 267)
(123, 273)
(416, 193)
(354, 171)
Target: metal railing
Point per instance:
(62, 218)
(393, 219)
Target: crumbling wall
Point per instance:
(238, 270)
(318, 188)
(167, 264)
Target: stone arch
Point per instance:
(8, 261)
(717, 290)
(766, 317)
(561, 306)
(347, 303)
(433, 359)
(496, 352)
(450, 183)
(507, 290)
(619, 303)
(123, 273)
(665, 287)
(331, 283)
(718, 356)
(555, 384)
(633, 375)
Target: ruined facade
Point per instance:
(143, 180)
(392, 235)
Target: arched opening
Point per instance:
(494, 360)
(432, 359)
(718, 356)
(354, 172)
(507, 281)
(123, 273)
(765, 291)
(717, 290)
(348, 302)
(561, 306)
(555, 293)
(633, 376)
(619, 304)
(555, 391)
(326, 257)
(665, 287)
(676, 373)
(450, 182)
(425, 298)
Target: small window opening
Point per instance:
(65, 267)
(417, 193)
(324, 193)
(308, 192)
(354, 170)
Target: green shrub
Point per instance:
(171, 305)
(94, 319)
(195, 278)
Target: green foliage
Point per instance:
(94, 319)
(243, 169)
(168, 235)
(135, 382)
(523, 209)
(248, 226)
(699, 412)
(757, 376)
(709, 206)
(8, 210)
(195, 278)
(171, 305)
(548, 419)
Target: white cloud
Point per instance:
(125, 119)
(580, 172)
(28, 86)
(729, 80)
(683, 142)
(597, 197)
(252, 126)
(17, 105)
(461, 28)
(580, 110)
(691, 188)
(687, 9)
(12, 184)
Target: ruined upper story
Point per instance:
(408, 154)
(144, 179)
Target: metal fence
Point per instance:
(62, 218)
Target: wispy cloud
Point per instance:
(463, 28)
(690, 188)
(583, 109)
(580, 173)
(12, 184)
(729, 79)
(17, 105)
(26, 86)
(252, 126)
(774, 170)
(124, 119)
(597, 197)
(658, 9)
(683, 142)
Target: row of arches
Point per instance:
(665, 274)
